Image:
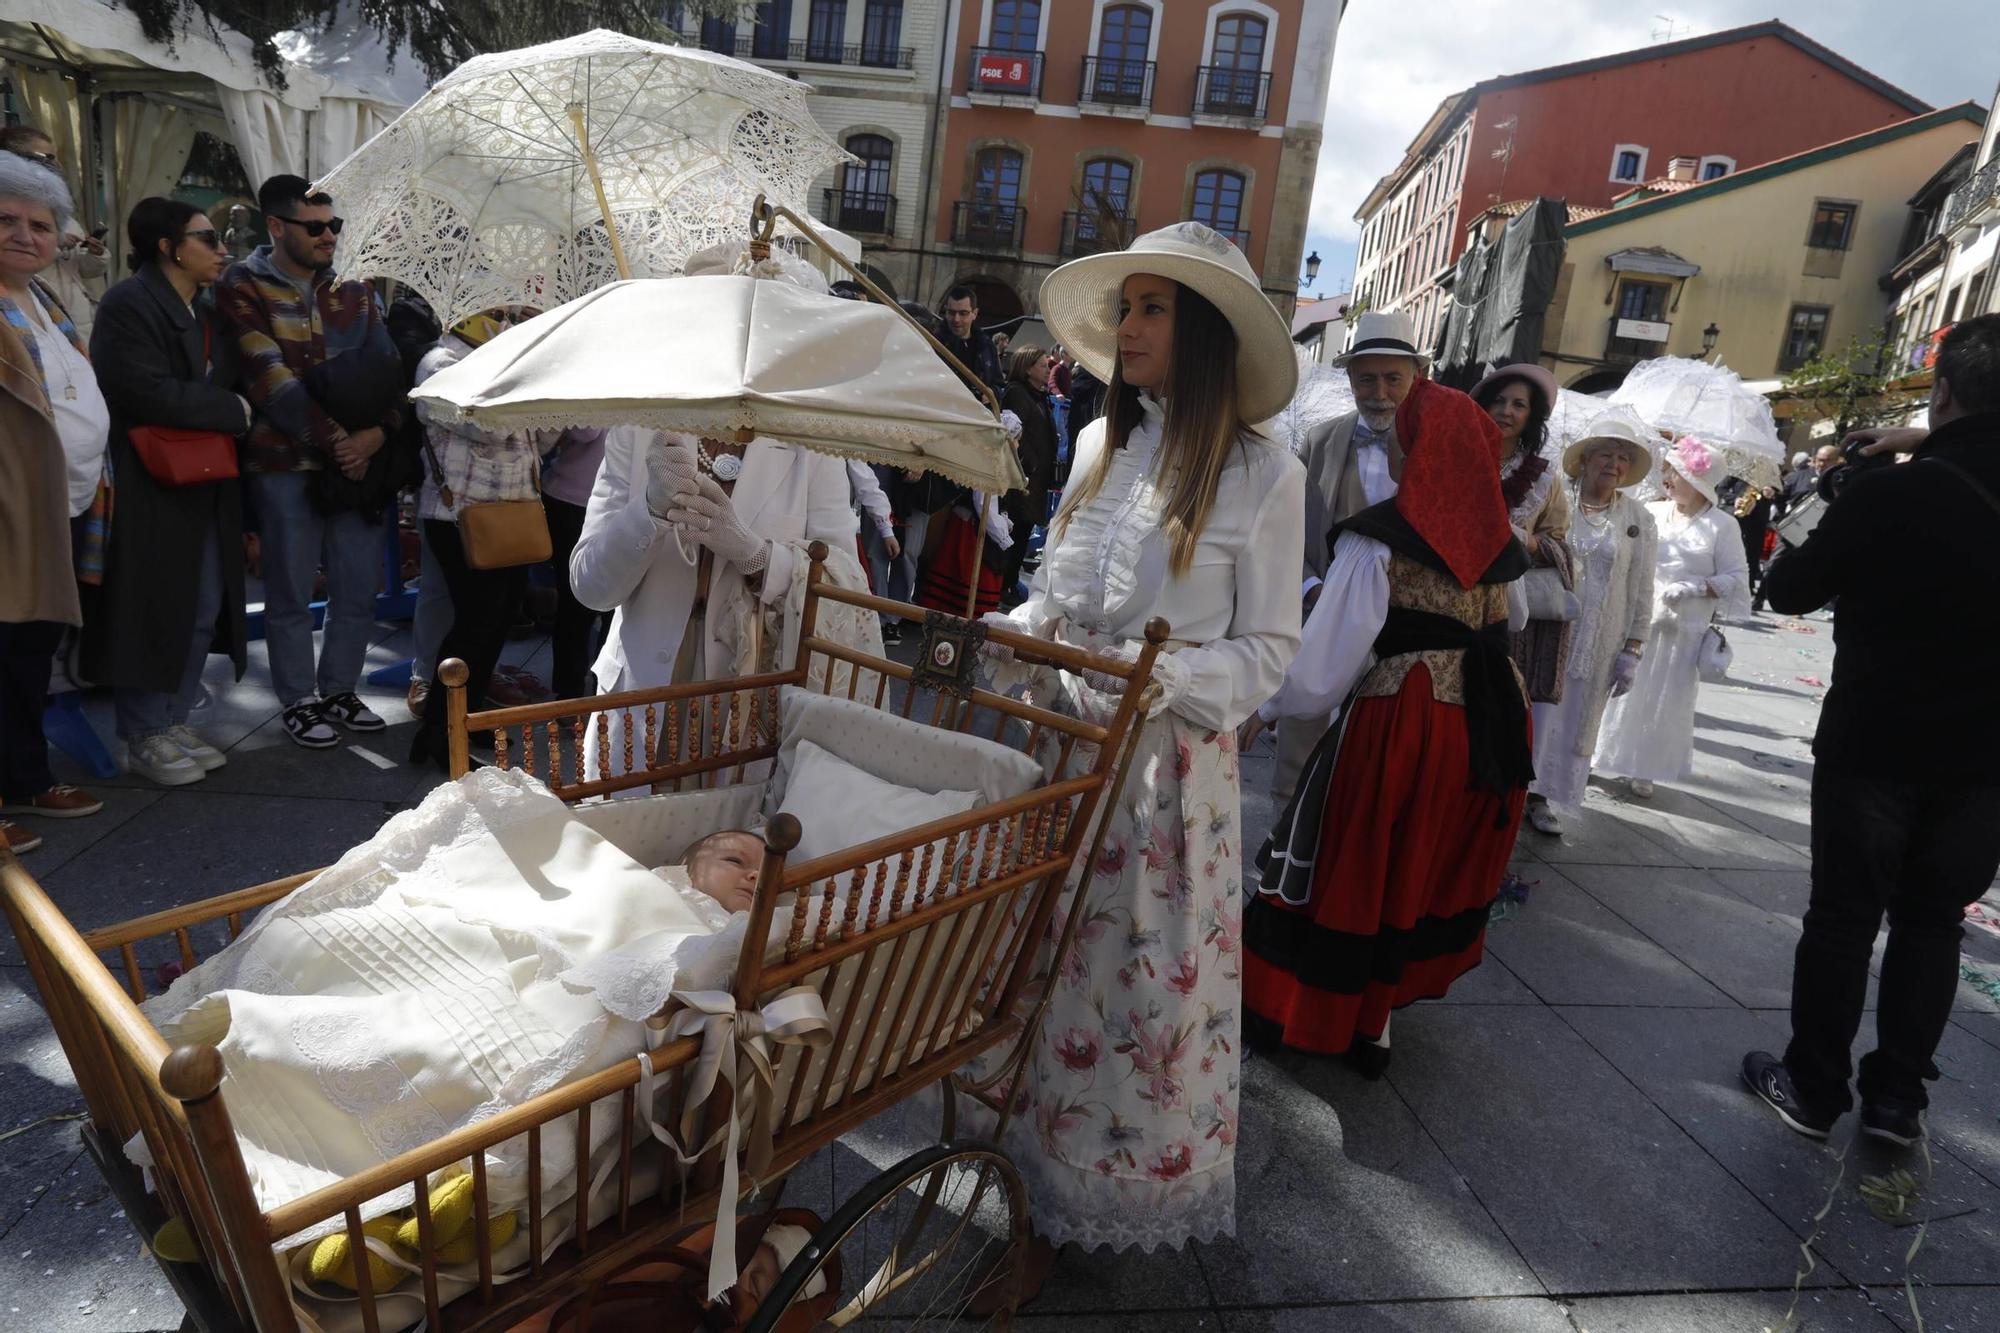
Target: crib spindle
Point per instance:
(364, 1281)
(577, 746)
(825, 914)
(795, 941)
(652, 737)
(628, 1102)
(427, 1251)
(583, 1179)
(134, 977)
(601, 725)
(482, 1218)
(500, 759)
(182, 938)
(535, 1200)
(553, 733)
(857, 884)
(528, 748)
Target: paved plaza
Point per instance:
(1561, 1146)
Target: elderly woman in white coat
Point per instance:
(1702, 574)
(1611, 539)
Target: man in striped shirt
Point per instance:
(292, 316)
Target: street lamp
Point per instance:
(1312, 270)
(1708, 337)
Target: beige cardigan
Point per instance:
(1626, 611)
(36, 578)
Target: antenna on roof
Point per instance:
(1665, 33)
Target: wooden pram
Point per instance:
(920, 945)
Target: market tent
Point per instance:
(78, 62)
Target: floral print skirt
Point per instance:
(1126, 1118)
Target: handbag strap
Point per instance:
(437, 469)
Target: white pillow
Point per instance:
(897, 750)
(840, 806)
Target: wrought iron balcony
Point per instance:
(1240, 94)
(1970, 200)
(984, 226)
(1004, 73)
(857, 210)
(763, 46)
(1120, 84)
(1086, 233)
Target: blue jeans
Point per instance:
(143, 713)
(895, 579)
(299, 542)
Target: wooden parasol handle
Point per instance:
(597, 183)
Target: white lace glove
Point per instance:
(1624, 669)
(1169, 682)
(669, 472)
(707, 516)
(1676, 593)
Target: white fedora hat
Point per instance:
(1080, 306)
(1384, 333)
(1621, 426)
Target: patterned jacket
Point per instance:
(283, 332)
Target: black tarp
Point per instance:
(1500, 296)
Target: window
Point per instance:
(1106, 193)
(1017, 25)
(1218, 203)
(1628, 162)
(826, 30)
(774, 30)
(1832, 226)
(1237, 71)
(1643, 302)
(996, 197)
(1713, 167)
(881, 32)
(1805, 334)
(1123, 41)
(864, 192)
(719, 35)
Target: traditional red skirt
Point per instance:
(947, 569)
(1409, 861)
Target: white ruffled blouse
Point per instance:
(1234, 613)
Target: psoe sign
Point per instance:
(1004, 72)
(1644, 330)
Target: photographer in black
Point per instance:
(1906, 787)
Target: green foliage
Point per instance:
(438, 34)
(1849, 386)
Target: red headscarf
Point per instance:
(1450, 491)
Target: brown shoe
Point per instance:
(416, 697)
(18, 839)
(61, 801)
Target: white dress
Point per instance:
(1649, 731)
(1127, 1114)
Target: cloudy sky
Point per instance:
(1396, 59)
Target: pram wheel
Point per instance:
(915, 1244)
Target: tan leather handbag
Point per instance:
(499, 534)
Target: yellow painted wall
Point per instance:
(1750, 241)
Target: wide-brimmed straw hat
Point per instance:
(1621, 426)
(1385, 333)
(1080, 305)
(1535, 375)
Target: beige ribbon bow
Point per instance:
(735, 1046)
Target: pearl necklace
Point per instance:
(723, 467)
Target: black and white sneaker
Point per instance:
(1891, 1123)
(348, 710)
(307, 726)
(1768, 1078)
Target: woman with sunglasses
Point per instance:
(173, 579)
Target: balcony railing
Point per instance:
(1086, 233)
(757, 46)
(1239, 93)
(1006, 73)
(1116, 83)
(983, 226)
(856, 210)
(1981, 188)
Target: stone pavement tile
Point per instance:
(74, 1265)
(1741, 949)
(1945, 1309)
(1686, 1062)
(1314, 1226)
(1698, 833)
(363, 767)
(186, 847)
(1986, 1027)
(38, 1100)
(1964, 1115)
(1728, 1312)
(1035, 1320)
(1782, 893)
(1483, 1314)
(65, 839)
(1602, 835)
(1569, 948)
(1489, 983)
(1594, 1184)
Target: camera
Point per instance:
(1851, 465)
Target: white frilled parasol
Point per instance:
(730, 356)
(1682, 396)
(494, 189)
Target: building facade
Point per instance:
(1069, 128)
(1918, 298)
(874, 70)
(1970, 227)
(1763, 268)
(1590, 131)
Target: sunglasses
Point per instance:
(315, 228)
(208, 236)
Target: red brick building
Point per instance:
(1072, 126)
(1593, 130)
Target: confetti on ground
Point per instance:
(1513, 896)
(1800, 627)
(1813, 681)
(1980, 980)
(1986, 919)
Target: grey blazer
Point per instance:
(1333, 490)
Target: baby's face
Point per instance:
(726, 869)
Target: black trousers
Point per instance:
(1921, 852)
(482, 606)
(27, 649)
(576, 624)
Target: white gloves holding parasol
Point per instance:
(708, 518)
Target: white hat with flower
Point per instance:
(1698, 465)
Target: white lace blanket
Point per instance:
(476, 952)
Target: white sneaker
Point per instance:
(195, 748)
(1641, 789)
(1543, 818)
(157, 758)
